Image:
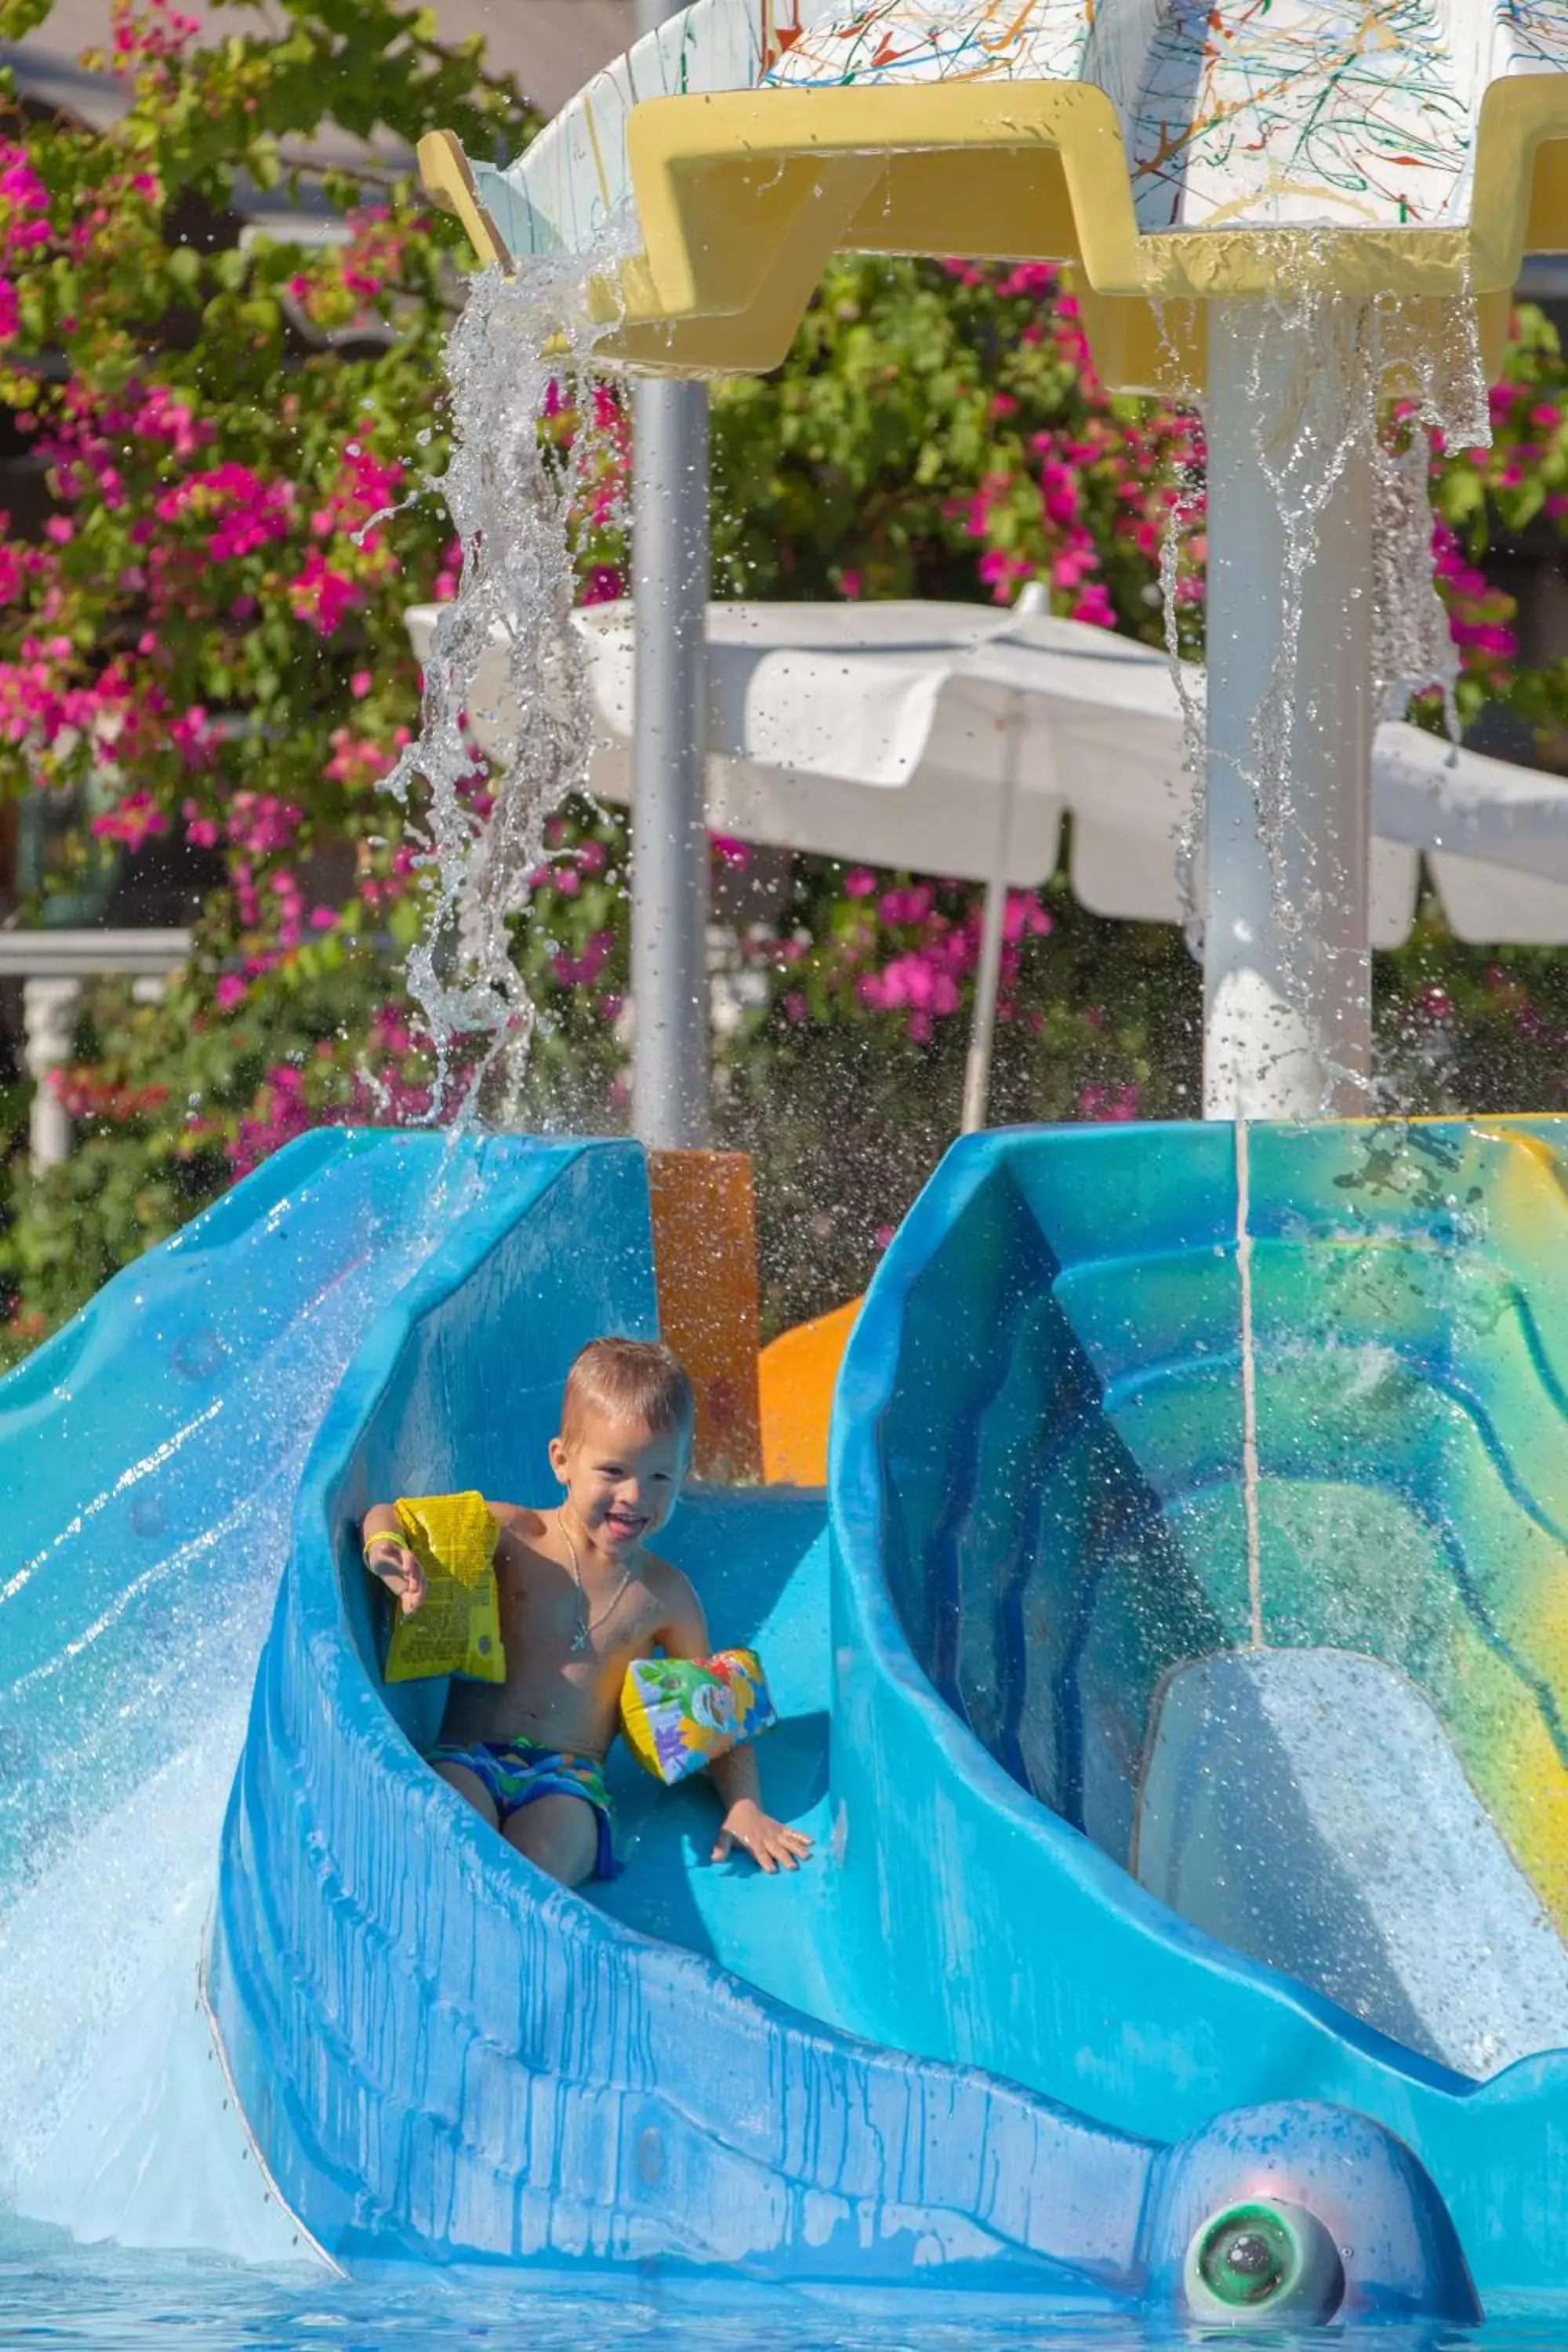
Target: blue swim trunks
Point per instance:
(513, 1772)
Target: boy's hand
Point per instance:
(398, 1570)
(770, 1845)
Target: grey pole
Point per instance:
(670, 834)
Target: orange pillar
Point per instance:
(705, 1267)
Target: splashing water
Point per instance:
(1375, 382)
(1441, 387)
(154, 1531)
(1408, 373)
(512, 494)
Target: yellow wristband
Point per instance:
(369, 1545)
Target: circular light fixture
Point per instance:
(1262, 2259)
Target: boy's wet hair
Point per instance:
(629, 1379)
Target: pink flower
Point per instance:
(230, 991)
(860, 882)
(195, 738)
(323, 596)
(242, 512)
(1109, 1103)
(132, 822)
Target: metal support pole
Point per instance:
(988, 978)
(1287, 964)
(670, 836)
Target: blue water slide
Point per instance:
(966, 2047)
(149, 1460)
(1039, 1526)
(149, 1455)
(444, 2057)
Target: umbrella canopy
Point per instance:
(897, 734)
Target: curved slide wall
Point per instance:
(442, 2056)
(1039, 1513)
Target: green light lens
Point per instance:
(1248, 2256)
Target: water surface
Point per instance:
(55, 2294)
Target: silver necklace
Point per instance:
(585, 1623)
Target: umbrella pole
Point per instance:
(988, 979)
(1287, 966)
(670, 834)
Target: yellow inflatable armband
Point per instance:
(679, 1714)
(456, 1628)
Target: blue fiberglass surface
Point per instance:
(445, 2057)
(1038, 1515)
(441, 2055)
(958, 2049)
(148, 1454)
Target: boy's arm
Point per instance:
(388, 1556)
(770, 1845)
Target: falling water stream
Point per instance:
(511, 492)
(1389, 379)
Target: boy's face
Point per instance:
(621, 1477)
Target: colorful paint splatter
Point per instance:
(1249, 114)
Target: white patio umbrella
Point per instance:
(951, 739)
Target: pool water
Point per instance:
(55, 2294)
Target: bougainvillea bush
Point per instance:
(201, 640)
(231, 437)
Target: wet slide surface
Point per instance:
(149, 1458)
(1041, 1504)
(1307, 1806)
(1037, 1519)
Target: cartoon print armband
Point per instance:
(679, 1714)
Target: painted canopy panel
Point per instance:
(1351, 115)
(1355, 114)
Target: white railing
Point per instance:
(51, 966)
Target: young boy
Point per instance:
(581, 1597)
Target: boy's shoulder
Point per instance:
(661, 1576)
(674, 1595)
(518, 1519)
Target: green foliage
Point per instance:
(203, 652)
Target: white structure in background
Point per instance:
(952, 739)
(1293, 212)
(51, 967)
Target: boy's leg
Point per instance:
(561, 1834)
(467, 1784)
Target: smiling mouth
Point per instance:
(624, 1523)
